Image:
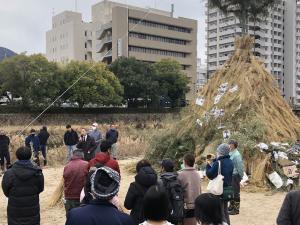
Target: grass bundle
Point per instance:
(56, 198)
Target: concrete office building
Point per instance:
(69, 39)
(222, 30)
(119, 30)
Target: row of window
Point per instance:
(61, 36)
(61, 22)
(157, 38)
(159, 25)
(157, 51)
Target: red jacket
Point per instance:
(75, 173)
(105, 160)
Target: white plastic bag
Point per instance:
(234, 89)
(275, 179)
(200, 101)
(244, 180)
(215, 186)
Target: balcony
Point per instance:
(100, 33)
(106, 55)
(104, 42)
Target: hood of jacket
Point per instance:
(24, 170)
(169, 176)
(146, 177)
(102, 158)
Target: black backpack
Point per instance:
(176, 197)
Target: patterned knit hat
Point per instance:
(223, 150)
(105, 183)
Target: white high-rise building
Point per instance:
(292, 51)
(221, 32)
(201, 75)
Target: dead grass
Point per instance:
(133, 141)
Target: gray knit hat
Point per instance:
(223, 149)
(105, 183)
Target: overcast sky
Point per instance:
(23, 23)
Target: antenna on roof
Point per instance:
(172, 10)
(75, 5)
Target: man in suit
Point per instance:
(87, 145)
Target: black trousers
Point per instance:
(71, 204)
(225, 211)
(236, 179)
(4, 155)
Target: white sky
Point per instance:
(23, 23)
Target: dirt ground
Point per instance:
(256, 208)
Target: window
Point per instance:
(85, 45)
(157, 51)
(85, 33)
(157, 38)
(85, 57)
(159, 25)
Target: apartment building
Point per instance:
(201, 75)
(292, 51)
(222, 30)
(118, 30)
(69, 39)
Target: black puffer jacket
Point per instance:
(43, 136)
(71, 137)
(22, 184)
(145, 178)
(290, 210)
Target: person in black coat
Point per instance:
(87, 144)
(290, 209)
(22, 184)
(71, 140)
(145, 178)
(43, 138)
(112, 136)
(4, 151)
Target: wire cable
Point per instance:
(77, 80)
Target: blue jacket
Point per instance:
(98, 212)
(34, 140)
(226, 170)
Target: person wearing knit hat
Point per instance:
(105, 184)
(212, 168)
(223, 150)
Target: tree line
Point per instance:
(126, 81)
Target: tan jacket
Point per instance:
(190, 181)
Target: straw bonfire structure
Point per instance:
(242, 99)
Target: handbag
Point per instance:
(215, 186)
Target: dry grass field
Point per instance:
(259, 207)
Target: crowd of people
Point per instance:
(92, 179)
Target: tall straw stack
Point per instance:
(256, 112)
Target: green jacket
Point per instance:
(238, 163)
